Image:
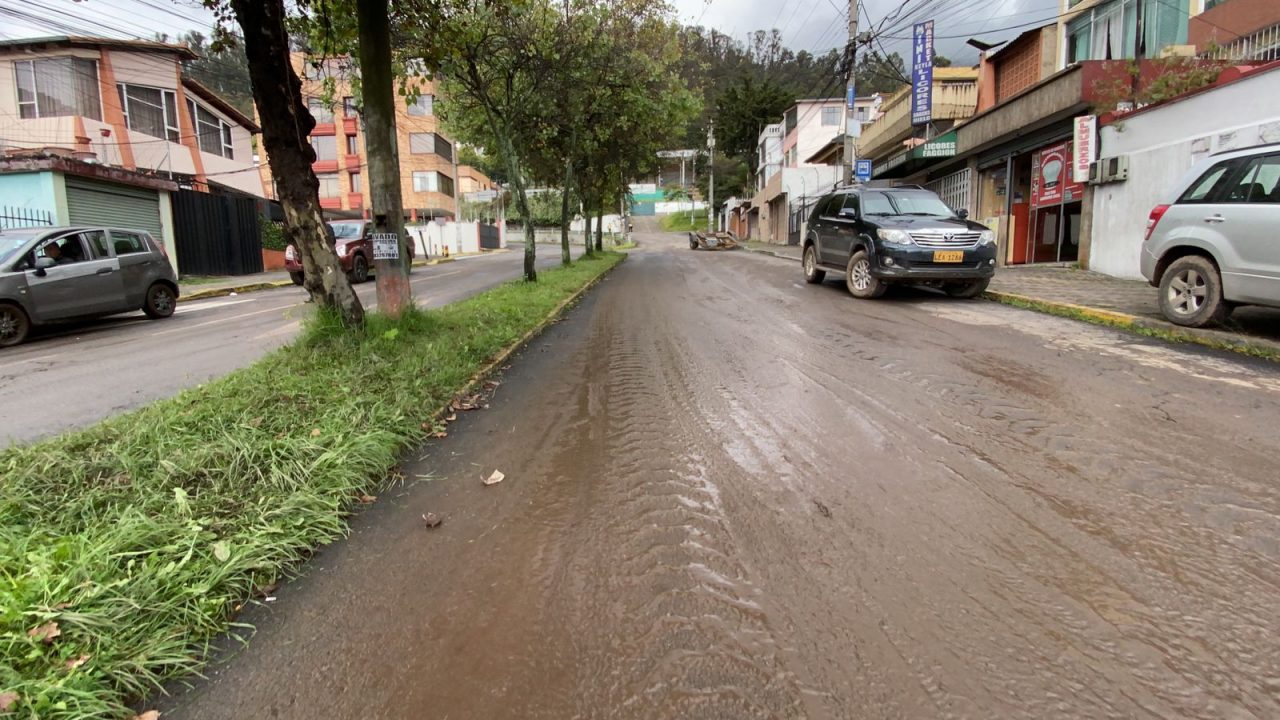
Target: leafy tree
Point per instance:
(941, 60)
(743, 111)
(286, 127)
(482, 160)
(221, 67)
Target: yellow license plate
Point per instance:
(941, 256)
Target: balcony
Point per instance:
(324, 166)
(955, 96)
(351, 162)
(327, 128)
(331, 203)
(350, 125)
(355, 200)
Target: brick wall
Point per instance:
(1018, 67)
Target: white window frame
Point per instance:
(226, 140)
(833, 113)
(34, 102)
(427, 109)
(337, 184)
(168, 98)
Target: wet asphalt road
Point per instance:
(72, 376)
(731, 495)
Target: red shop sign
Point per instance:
(1051, 177)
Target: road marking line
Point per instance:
(214, 322)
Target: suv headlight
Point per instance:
(988, 237)
(894, 236)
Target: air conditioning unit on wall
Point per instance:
(1107, 170)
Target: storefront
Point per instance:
(1054, 230)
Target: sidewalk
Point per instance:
(199, 288)
(1094, 297)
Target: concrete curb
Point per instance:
(251, 287)
(1217, 339)
(484, 372)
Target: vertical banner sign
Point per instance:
(1085, 139)
(922, 73)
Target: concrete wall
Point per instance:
(34, 191)
(433, 238)
(1162, 144)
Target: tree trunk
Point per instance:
(392, 275)
(566, 257)
(516, 181)
(586, 228)
(600, 228)
(286, 125)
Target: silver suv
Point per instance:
(55, 274)
(1216, 243)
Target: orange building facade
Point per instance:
(429, 172)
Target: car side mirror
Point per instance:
(848, 214)
(963, 214)
(42, 264)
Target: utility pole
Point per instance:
(711, 168)
(389, 258)
(850, 93)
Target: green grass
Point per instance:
(142, 536)
(1243, 347)
(679, 222)
(201, 280)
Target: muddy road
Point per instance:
(731, 495)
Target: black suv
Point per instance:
(879, 236)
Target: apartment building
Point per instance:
(429, 172)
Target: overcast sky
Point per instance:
(813, 25)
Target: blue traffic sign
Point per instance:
(862, 170)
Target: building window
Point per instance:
(328, 185)
(432, 181)
(56, 87)
(320, 110)
(1108, 31)
(423, 106)
(150, 111)
(349, 107)
(212, 132)
(355, 182)
(353, 148)
(830, 116)
(326, 147)
(430, 144)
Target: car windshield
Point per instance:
(346, 230)
(12, 241)
(920, 203)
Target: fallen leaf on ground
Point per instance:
(255, 422)
(7, 700)
(46, 632)
(432, 520)
(265, 590)
(366, 499)
(452, 417)
(441, 434)
(495, 478)
(221, 551)
(315, 433)
(491, 384)
(148, 715)
(73, 664)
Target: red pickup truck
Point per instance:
(352, 241)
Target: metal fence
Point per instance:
(216, 234)
(1263, 45)
(799, 212)
(954, 189)
(16, 217)
(490, 238)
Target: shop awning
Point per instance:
(917, 158)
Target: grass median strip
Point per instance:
(126, 547)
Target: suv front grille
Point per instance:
(946, 239)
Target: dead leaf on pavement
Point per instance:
(315, 432)
(45, 633)
(495, 478)
(366, 499)
(148, 715)
(7, 700)
(440, 434)
(265, 590)
(432, 520)
(73, 664)
(452, 417)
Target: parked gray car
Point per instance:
(1215, 244)
(50, 275)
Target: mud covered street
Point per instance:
(732, 495)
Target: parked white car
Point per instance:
(1215, 243)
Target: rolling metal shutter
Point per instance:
(121, 206)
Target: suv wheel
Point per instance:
(967, 290)
(1191, 293)
(860, 281)
(14, 325)
(812, 274)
